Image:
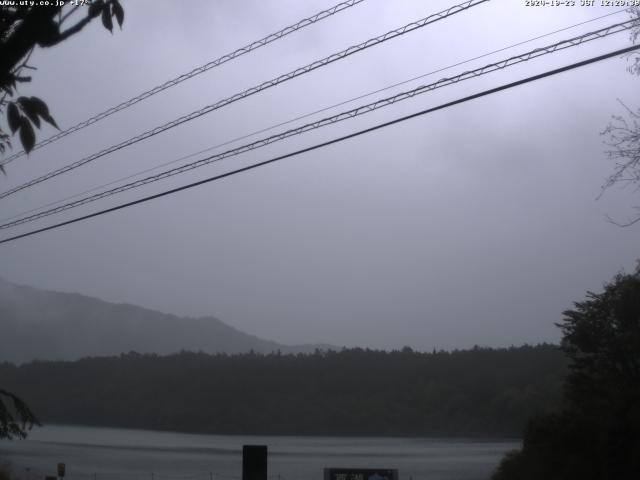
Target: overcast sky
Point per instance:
(477, 224)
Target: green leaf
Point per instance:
(106, 20)
(38, 105)
(13, 117)
(30, 109)
(118, 12)
(42, 110)
(27, 135)
(49, 119)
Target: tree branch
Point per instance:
(71, 30)
(68, 14)
(15, 426)
(31, 30)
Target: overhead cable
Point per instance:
(330, 142)
(251, 91)
(196, 71)
(301, 117)
(361, 110)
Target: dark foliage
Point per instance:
(15, 416)
(473, 392)
(23, 28)
(597, 433)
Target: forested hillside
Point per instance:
(44, 325)
(473, 392)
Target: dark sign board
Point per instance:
(254, 462)
(360, 474)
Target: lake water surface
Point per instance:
(121, 454)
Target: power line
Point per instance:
(306, 115)
(361, 110)
(196, 71)
(330, 142)
(253, 90)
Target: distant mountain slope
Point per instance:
(46, 325)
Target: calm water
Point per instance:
(120, 454)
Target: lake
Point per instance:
(121, 454)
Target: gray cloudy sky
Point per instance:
(477, 224)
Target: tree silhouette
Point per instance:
(15, 416)
(596, 435)
(23, 28)
(475, 392)
(622, 136)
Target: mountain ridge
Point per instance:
(41, 324)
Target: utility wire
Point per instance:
(301, 117)
(196, 71)
(330, 142)
(361, 110)
(253, 90)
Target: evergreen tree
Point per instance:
(596, 435)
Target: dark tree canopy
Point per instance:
(596, 435)
(15, 416)
(23, 28)
(601, 337)
(477, 392)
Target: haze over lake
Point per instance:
(365, 235)
(120, 454)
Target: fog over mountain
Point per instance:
(476, 224)
(46, 325)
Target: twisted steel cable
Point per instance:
(196, 71)
(459, 101)
(361, 110)
(301, 117)
(253, 90)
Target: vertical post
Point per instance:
(210, 475)
(61, 470)
(254, 462)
